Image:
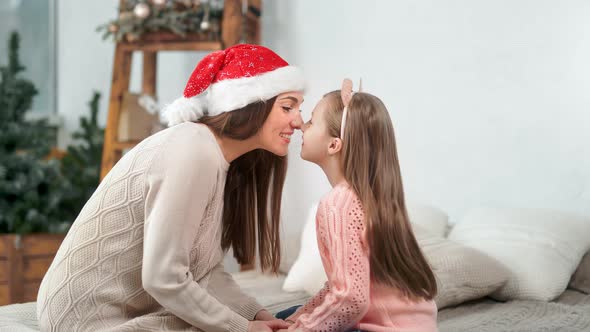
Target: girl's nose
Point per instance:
(303, 127)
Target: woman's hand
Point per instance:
(266, 326)
(289, 322)
(264, 315)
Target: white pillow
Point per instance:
(290, 245)
(307, 273)
(428, 217)
(541, 248)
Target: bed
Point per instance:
(570, 312)
(485, 255)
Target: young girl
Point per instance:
(378, 279)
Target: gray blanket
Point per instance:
(571, 312)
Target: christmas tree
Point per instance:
(81, 164)
(31, 187)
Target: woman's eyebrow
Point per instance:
(291, 98)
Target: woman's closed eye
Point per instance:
(289, 109)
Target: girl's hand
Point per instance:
(264, 315)
(266, 326)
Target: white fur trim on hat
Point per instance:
(229, 95)
(185, 110)
(232, 94)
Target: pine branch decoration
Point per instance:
(181, 17)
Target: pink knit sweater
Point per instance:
(349, 300)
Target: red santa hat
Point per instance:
(228, 80)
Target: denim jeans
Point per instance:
(288, 312)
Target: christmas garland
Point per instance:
(137, 17)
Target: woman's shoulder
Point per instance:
(184, 134)
(191, 133)
(189, 143)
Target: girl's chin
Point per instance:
(302, 155)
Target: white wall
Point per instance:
(489, 99)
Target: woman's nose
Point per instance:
(297, 122)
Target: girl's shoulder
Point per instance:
(341, 198)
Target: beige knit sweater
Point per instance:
(145, 252)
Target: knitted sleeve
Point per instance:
(340, 228)
(311, 304)
(179, 187)
(225, 289)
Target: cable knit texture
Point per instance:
(349, 299)
(145, 252)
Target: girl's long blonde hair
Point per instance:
(371, 167)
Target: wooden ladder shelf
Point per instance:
(152, 43)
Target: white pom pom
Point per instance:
(184, 110)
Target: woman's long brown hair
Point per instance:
(253, 189)
(371, 167)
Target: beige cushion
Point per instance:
(581, 279)
(462, 273)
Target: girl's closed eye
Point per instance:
(287, 108)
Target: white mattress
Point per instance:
(19, 317)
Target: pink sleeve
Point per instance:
(346, 294)
(311, 304)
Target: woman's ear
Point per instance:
(335, 146)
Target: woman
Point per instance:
(146, 251)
